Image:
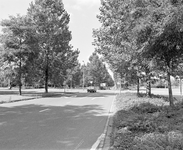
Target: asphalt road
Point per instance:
(72, 122)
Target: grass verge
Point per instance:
(142, 123)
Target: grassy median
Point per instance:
(143, 123)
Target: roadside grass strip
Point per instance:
(142, 123)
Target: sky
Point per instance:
(82, 21)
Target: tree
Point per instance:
(146, 28)
(18, 40)
(161, 35)
(51, 24)
(74, 76)
(97, 71)
(71, 68)
(114, 40)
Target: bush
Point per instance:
(145, 108)
(142, 124)
(155, 126)
(123, 141)
(156, 141)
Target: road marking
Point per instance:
(44, 110)
(96, 144)
(96, 98)
(80, 143)
(65, 97)
(68, 103)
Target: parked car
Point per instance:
(91, 89)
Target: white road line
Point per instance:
(93, 98)
(80, 143)
(96, 98)
(96, 144)
(82, 98)
(44, 110)
(65, 97)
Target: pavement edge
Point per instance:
(105, 137)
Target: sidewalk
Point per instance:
(13, 98)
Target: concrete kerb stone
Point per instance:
(17, 98)
(11, 100)
(105, 141)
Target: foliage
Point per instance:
(38, 45)
(113, 40)
(97, 71)
(157, 141)
(145, 108)
(51, 24)
(19, 41)
(141, 32)
(159, 34)
(147, 125)
(73, 76)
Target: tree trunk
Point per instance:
(71, 83)
(46, 74)
(180, 86)
(46, 80)
(20, 77)
(170, 90)
(148, 85)
(138, 86)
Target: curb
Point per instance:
(18, 100)
(104, 135)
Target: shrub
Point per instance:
(142, 125)
(156, 141)
(145, 108)
(123, 141)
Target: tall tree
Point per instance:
(114, 40)
(19, 40)
(98, 71)
(160, 34)
(149, 28)
(51, 24)
(65, 67)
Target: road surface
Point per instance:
(73, 122)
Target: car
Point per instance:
(102, 88)
(91, 89)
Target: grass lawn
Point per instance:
(142, 123)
